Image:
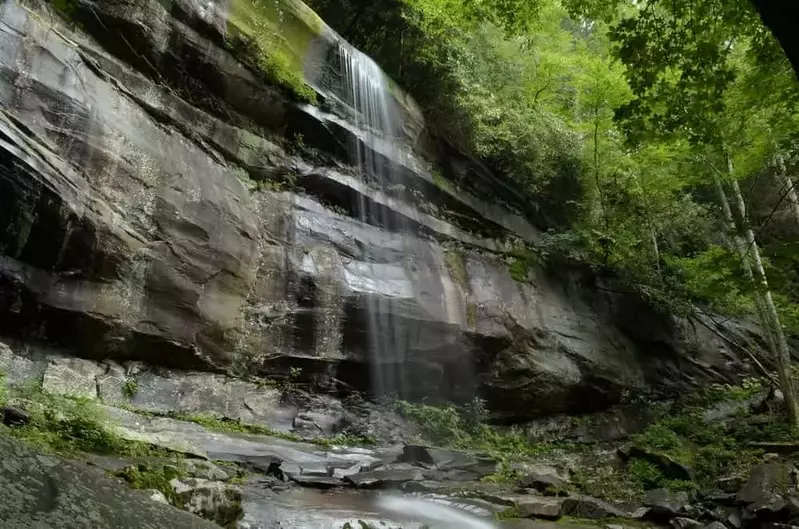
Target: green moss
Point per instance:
(471, 314)
(521, 264)
(510, 513)
(67, 426)
(518, 270)
(273, 39)
(224, 424)
(441, 182)
(153, 476)
(456, 265)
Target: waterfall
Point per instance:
(365, 88)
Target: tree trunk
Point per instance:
(792, 198)
(790, 190)
(650, 225)
(783, 354)
(739, 245)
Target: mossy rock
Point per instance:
(273, 38)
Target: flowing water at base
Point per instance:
(433, 512)
(315, 509)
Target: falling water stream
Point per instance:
(366, 89)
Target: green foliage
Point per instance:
(65, 8)
(646, 474)
(714, 393)
(442, 426)
(466, 429)
(224, 424)
(712, 449)
(714, 278)
(153, 476)
(659, 437)
(130, 388)
(66, 425)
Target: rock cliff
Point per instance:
(177, 188)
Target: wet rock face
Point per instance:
(132, 229)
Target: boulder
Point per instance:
(685, 523)
(665, 504)
(72, 377)
(731, 484)
(157, 495)
(768, 495)
(727, 409)
(544, 483)
(341, 473)
(715, 525)
(540, 507)
(384, 478)
(211, 500)
(591, 508)
(205, 470)
(316, 481)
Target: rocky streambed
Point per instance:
(308, 474)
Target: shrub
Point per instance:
(646, 474)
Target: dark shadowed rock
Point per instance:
(15, 416)
(455, 465)
(715, 525)
(725, 410)
(317, 481)
(767, 494)
(543, 483)
(731, 484)
(686, 523)
(45, 491)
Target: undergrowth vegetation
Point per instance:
(690, 434)
(465, 428)
(67, 425)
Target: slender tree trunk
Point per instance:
(792, 198)
(790, 190)
(739, 244)
(606, 247)
(650, 225)
(783, 354)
